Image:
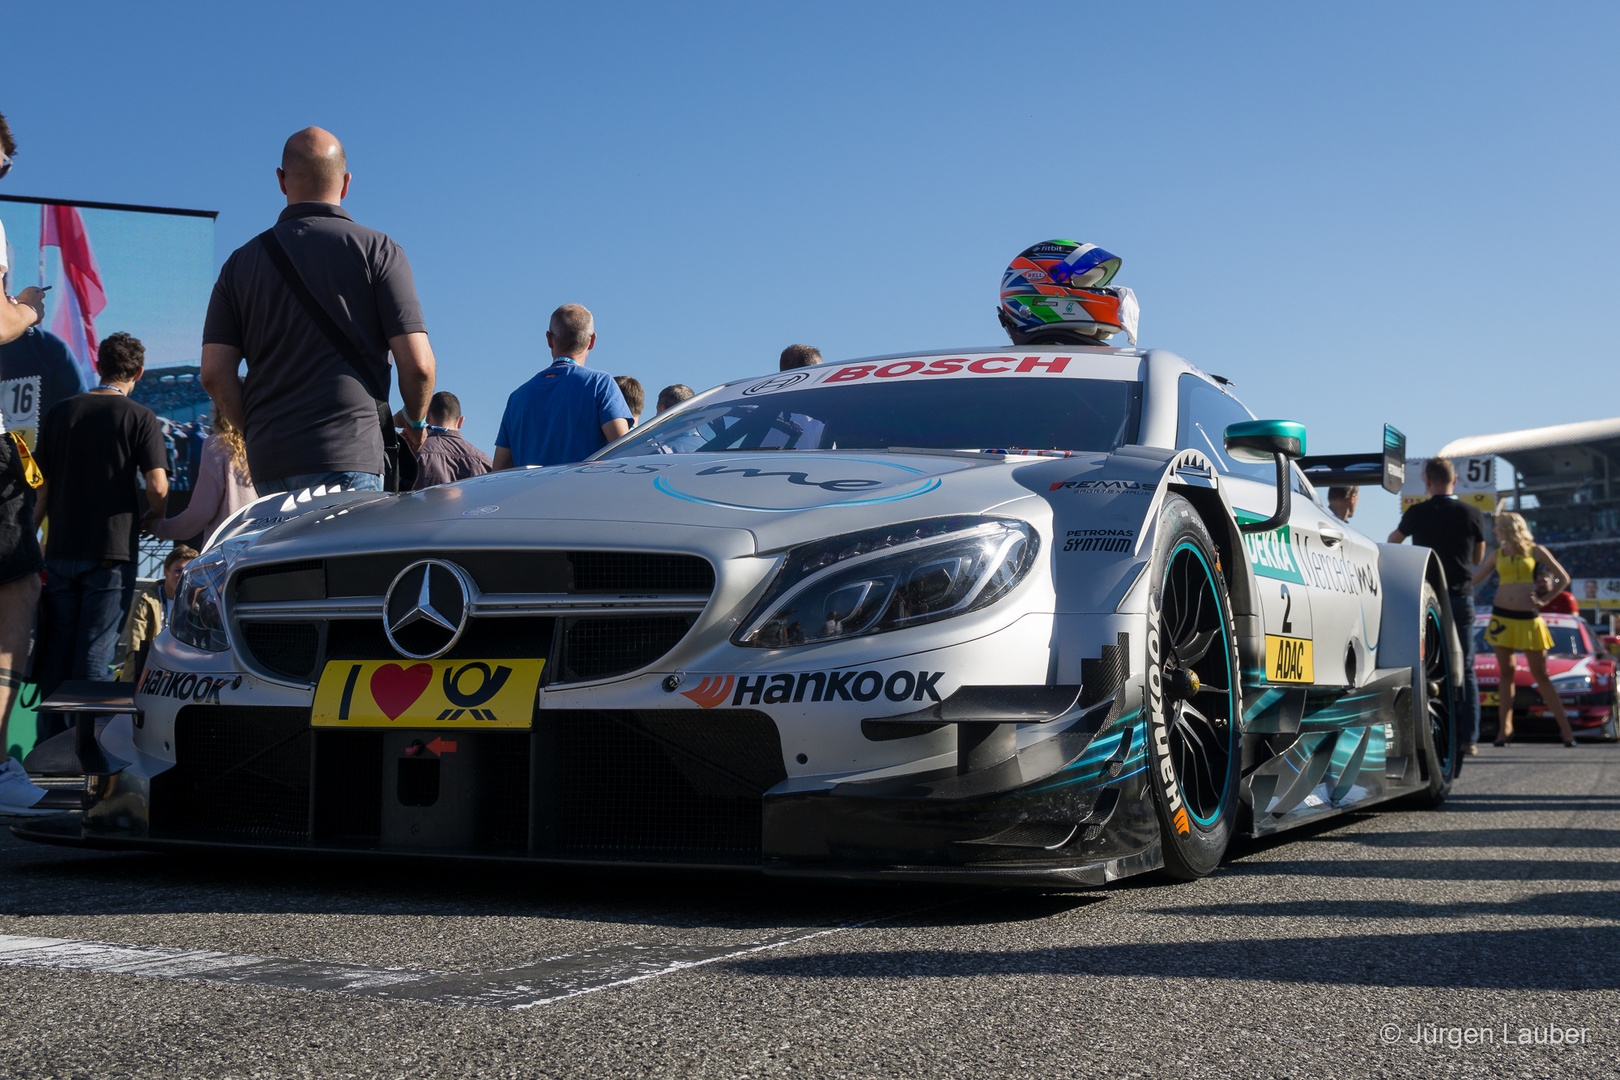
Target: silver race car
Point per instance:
(1050, 616)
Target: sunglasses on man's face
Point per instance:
(5, 166)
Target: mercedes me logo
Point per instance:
(426, 608)
(778, 382)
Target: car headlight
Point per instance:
(197, 617)
(1572, 683)
(891, 578)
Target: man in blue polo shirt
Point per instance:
(567, 412)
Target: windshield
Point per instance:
(948, 414)
(1567, 641)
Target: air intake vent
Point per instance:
(617, 571)
(240, 773)
(304, 580)
(655, 782)
(603, 648)
(290, 649)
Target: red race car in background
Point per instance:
(1581, 671)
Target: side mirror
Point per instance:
(1262, 440)
(1281, 441)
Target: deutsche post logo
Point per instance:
(436, 693)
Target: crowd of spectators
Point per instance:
(174, 393)
(1589, 558)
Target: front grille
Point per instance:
(627, 783)
(491, 571)
(637, 572)
(494, 571)
(240, 773)
(591, 648)
(601, 648)
(302, 580)
(516, 638)
(291, 649)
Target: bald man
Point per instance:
(316, 331)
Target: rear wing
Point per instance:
(1388, 469)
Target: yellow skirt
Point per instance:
(1517, 631)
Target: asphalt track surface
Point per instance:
(1325, 954)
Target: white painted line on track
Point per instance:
(544, 982)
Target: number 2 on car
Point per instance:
(431, 693)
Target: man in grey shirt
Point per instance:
(445, 456)
(307, 415)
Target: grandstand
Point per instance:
(174, 393)
(1566, 483)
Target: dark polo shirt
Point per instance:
(306, 411)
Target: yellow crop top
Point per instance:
(1515, 569)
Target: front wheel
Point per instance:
(1436, 698)
(1192, 696)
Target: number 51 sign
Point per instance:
(1476, 482)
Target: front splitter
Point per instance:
(65, 830)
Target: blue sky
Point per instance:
(1397, 212)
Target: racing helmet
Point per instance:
(1056, 293)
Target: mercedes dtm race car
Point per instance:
(1053, 616)
(1581, 671)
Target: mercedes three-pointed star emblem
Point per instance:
(426, 608)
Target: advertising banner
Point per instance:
(1602, 593)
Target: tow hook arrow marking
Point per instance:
(439, 746)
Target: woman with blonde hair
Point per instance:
(223, 486)
(1516, 623)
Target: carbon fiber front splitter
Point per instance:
(65, 830)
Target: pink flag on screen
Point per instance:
(61, 227)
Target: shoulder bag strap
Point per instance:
(399, 466)
(319, 315)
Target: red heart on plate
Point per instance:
(395, 689)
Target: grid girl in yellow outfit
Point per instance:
(1516, 623)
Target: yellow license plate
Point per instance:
(427, 693)
(1487, 699)
(1289, 659)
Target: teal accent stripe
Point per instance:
(1267, 700)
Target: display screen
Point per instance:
(145, 272)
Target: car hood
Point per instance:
(1485, 667)
(780, 499)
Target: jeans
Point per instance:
(1462, 615)
(353, 481)
(84, 609)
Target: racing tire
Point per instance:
(1435, 715)
(1193, 738)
